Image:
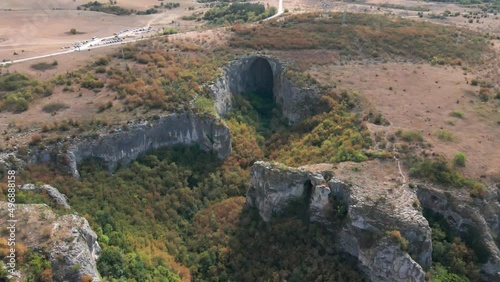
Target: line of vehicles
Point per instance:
(116, 38)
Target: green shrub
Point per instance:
(440, 171)
(457, 114)
(14, 82)
(444, 135)
(16, 104)
(169, 30)
(237, 12)
(205, 105)
(412, 136)
(459, 159)
(54, 107)
(43, 66)
(102, 61)
(91, 82)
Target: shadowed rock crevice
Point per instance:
(361, 226)
(266, 76)
(259, 78)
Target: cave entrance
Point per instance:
(259, 79)
(258, 86)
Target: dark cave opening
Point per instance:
(259, 78)
(256, 101)
(259, 89)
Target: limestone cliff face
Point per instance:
(69, 241)
(250, 73)
(52, 192)
(373, 210)
(274, 187)
(473, 218)
(125, 146)
(74, 254)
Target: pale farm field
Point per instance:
(35, 27)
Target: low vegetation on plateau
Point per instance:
(177, 213)
(113, 8)
(237, 12)
(364, 36)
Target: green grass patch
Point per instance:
(440, 171)
(459, 159)
(18, 90)
(205, 105)
(445, 135)
(402, 7)
(412, 136)
(457, 114)
(105, 8)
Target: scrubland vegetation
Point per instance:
(371, 36)
(177, 213)
(226, 13)
(237, 12)
(454, 258)
(17, 90)
(113, 8)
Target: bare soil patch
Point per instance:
(421, 97)
(36, 27)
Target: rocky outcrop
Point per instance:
(125, 146)
(74, 254)
(476, 219)
(254, 72)
(68, 240)
(53, 193)
(274, 187)
(373, 211)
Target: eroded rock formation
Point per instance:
(380, 210)
(264, 74)
(52, 192)
(374, 210)
(125, 146)
(477, 220)
(68, 240)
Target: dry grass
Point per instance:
(417, 102)
(372, 36)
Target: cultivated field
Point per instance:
(35, 27)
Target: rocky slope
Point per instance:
(124, 146)
(70, 242)
(477, 220)
(376, 217)
(249, 74)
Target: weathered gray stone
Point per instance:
(273, 187)
(75, 255)
(53, 193)
(469, 215)
(68, 240)
(250, 73)
(364, 234)
(125, 146)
